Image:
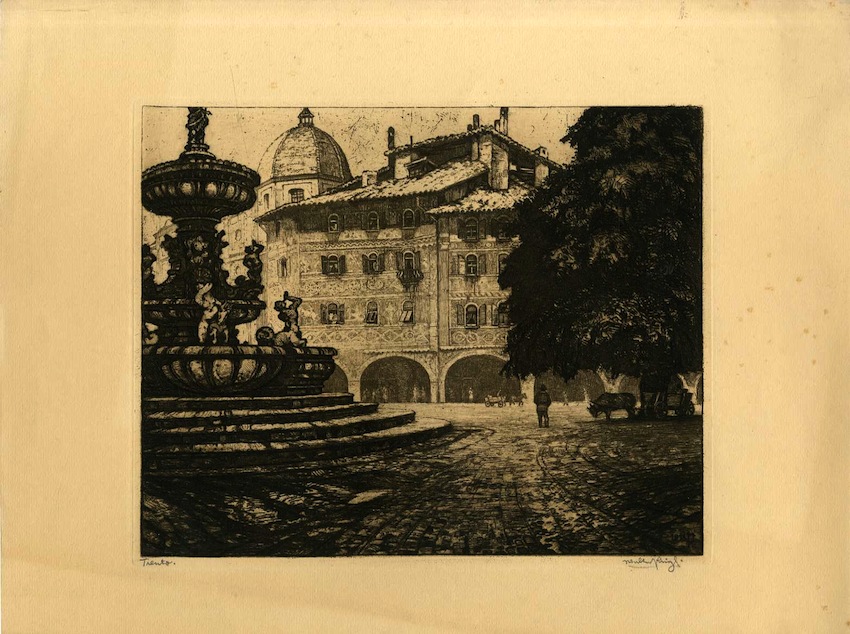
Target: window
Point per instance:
(502, 258)
(277, 229)
(470, 229)
(472, 316)
(471, 264)
(408, 219)
(407, 312)
(372, 221)
(238, 235)
(282, 268)
(333, 264)
(266, 199)
(333, 223)
(409, 260)
(502, 317)
(371, 313)
(296, 195)
(333, 313)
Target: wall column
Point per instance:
(437, 395)
(354, 387)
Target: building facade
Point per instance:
(398, 268)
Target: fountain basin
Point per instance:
(199, 186)
(237, 369)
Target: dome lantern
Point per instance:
(306, 117)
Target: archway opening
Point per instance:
(395, 380)
(471, 379)
(337, 382)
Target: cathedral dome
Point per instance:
(305, 150)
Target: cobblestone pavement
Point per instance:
(496, 485)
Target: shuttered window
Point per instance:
(407, 312)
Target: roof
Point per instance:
(436, 180)
(484, 199)
(304, 150)
(448, 138)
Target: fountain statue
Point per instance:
(194, 348)
(212, 404)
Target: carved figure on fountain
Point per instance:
(251, 287)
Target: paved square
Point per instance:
(496, 485)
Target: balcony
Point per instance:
(409, 278)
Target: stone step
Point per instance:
(206, 403)
(231, 457)
(218, 418)
(186, 437)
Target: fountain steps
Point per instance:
(226, 457)
(179, 438)
(206, 403)
(211, 435)
(156, 421)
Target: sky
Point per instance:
(244, 134)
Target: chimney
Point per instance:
(476, 121)
(498, 125)
(368, 178)
(469, 127)
(542, 151)
(390, 138)
(503, 118)
(411, 139)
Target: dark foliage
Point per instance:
(609, 269)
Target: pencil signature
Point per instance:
(147, 561)
(659, 563)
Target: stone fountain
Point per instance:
(210, 402)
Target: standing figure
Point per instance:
(196, 123)
(542, 400)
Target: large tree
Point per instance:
(608, 272)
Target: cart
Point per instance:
(491, 401)
(663, 404)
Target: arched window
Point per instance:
(333, 265)
(372, 221)
(296, 195)
(470, 229)
(408, 219)
(472, 316)
(371, 313)
(282, 267)
(333, 223)
(238, 235)
(372, 263)
(472, 264)
(409, 260)
(502, 317)
(266, 199)
(407, 312)
(502, 258)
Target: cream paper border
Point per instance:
(774, 84)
